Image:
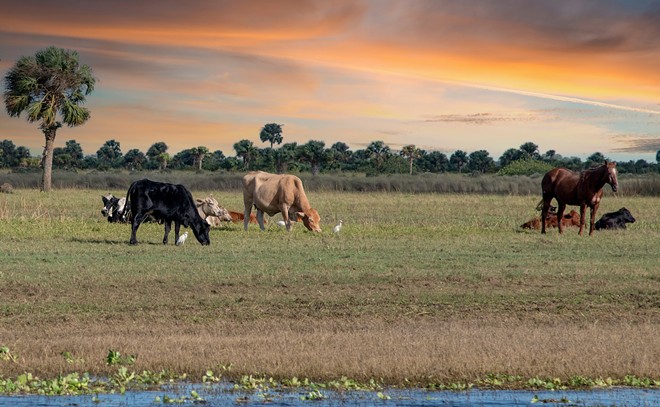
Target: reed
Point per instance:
(450, 183)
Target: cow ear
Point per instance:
(301, 214)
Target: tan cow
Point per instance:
(278, 193)
(211, 211)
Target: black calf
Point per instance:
(615, 220)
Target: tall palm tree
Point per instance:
(411, 152)
(199, 153)
(246, 150)
(271, 132)
(50, 84)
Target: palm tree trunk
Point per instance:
(411, 163)
(49, 134)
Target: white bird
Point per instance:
(182, 239)
(337, 228)
(281, 223)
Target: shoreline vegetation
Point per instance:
(449, 183)
(433, 290)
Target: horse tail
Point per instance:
(540, 205)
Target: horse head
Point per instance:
(611, 175)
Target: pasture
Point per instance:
(415, 289)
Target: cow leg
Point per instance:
(168, 227)
(177, 227)
(260, 219)
(246, 215)
(561, 207)
(137, 220)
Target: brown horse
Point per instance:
(583, 189)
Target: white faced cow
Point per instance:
(113, 209)
(210, 209)
(278, 193)
(168, 202)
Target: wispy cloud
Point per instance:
(636, 144)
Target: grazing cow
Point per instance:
(615, 220)
(569, 219)
(113, 209)
(211, 211)
(281, 193)
(167, 202)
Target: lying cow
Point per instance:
(169, 202)
(615, 220)
(210, 210)
(113, 209)
(569, 219)
(238, 217)
(281, 193)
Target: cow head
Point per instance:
(110, 204)
(626, 216)
(209, 207)
(201, 228)
(310, 219)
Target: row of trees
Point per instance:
(51, 87)
(313, 156)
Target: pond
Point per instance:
(222, 395)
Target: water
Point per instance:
(222, 395)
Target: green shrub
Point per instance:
(526, 167)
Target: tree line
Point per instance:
(51, 87)
(313, 156)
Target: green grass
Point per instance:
(400, 259)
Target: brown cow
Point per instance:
(278, 193)
(237, 217)
(570, 219)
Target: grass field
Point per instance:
(415, 289)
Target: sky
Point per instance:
(576, 77)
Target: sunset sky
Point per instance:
(575, 76)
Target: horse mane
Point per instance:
(586, 174)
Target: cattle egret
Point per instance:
(281, 223)
(337, 228)
(182, 239)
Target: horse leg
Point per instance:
(544, 213)
(594, 209)
(583, 212)
(561, 207)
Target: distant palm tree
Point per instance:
(246, 150)
(411, 152)
(199, 153)
(378, 152)
(271, 132)
(49, 84)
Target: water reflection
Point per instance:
(223, 395)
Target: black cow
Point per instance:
(166, 202)
(113, 209)
(615, 220)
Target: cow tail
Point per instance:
(127, 215)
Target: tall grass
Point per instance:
(418, 287)
(631, 185)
